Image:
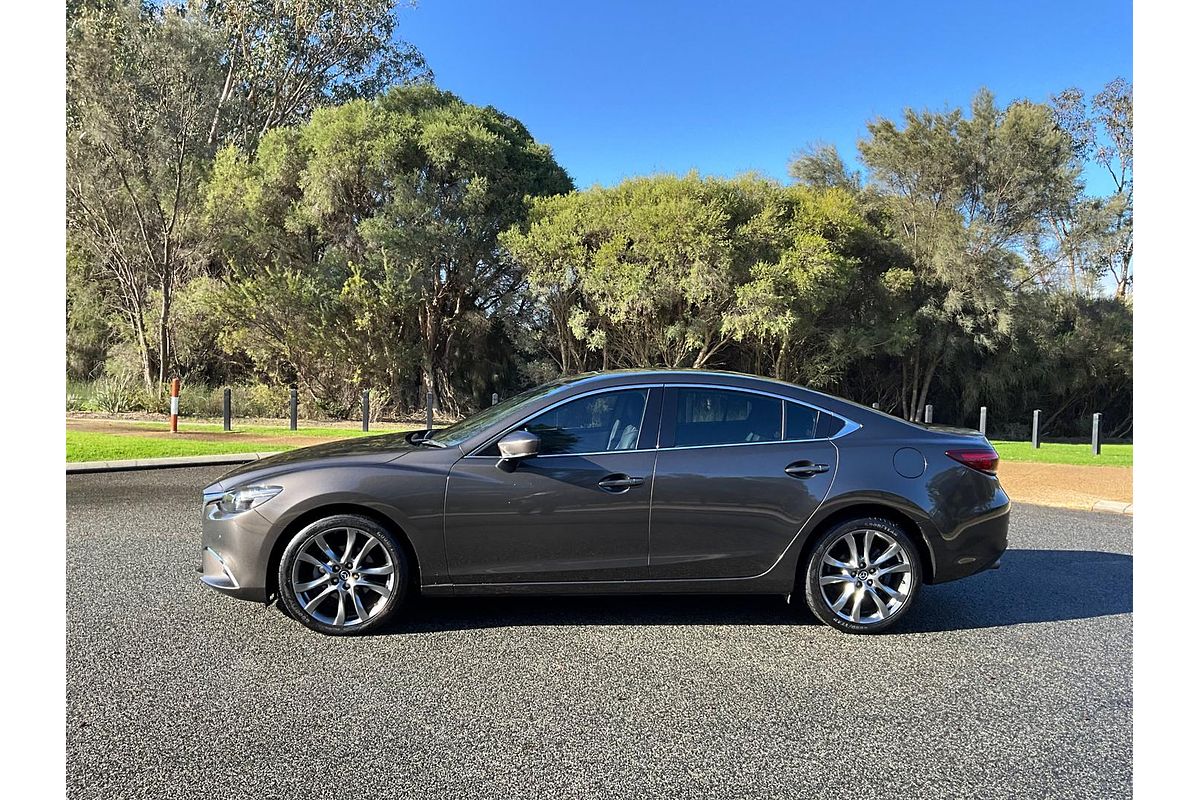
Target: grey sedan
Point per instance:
(632, 482)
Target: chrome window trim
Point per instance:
(492, 440)
(849, 426)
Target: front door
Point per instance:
(578, 511)
(732, 489)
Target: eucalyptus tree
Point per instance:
(377, 222)
(1095, 235)
(138, 104)
(281, 60)
(962, 194)
(642, 273)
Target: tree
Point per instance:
(962, 195)
(282, 60)
(382, 216)
(1096, 233)
(138, 101)
(642, 273)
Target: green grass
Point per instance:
(88, 446)
(1111, 455)
(271, 430)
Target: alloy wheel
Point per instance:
(343, 576)
(865, 576)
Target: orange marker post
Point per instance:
(175, 405)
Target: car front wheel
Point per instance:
(342, 575)
(863, 576)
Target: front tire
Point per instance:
(863, 576)
(343, 575)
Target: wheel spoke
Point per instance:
(340, 619)
(325, 548)
(856, 609)
(840, 603)
(304, 587)
(889, 591)
(879, 602)
(901, 567)
(311, 604)
(351, 538)
(366, 548)
(359, 608)
(868, 535)
(386, 569)
(833, 562)
(827, 580)
(306, 558)
(382, 591)
(853, 545)
(886, 554)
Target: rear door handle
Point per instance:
(620, 483)
(805, 469)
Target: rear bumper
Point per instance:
(972, 547)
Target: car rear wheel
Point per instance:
(863, 576)
(343, 575)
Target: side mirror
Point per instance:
(516, 446)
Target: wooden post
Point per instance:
(1096, 434)
(227, 408)
(293, 402)
(175, 405)
(429, 411)
(366, 409)
(495, 398)
(983, 420)
(928, 414)
(1037, 425)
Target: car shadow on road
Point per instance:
(1029, 586)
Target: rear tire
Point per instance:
(343, 575)
(863, 576)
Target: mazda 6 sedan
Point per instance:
(635, 482)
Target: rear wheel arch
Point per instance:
(320, 512)
(864, 510)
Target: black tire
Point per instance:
(336, 530)
(862, 584)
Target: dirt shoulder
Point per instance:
(1065, 485)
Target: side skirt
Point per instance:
(765, 584)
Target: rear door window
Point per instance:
(722, 416)
(800, 422)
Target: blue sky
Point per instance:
(628, 88)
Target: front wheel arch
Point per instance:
(334, 509)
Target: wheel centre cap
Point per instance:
(862, 575)
(345, 575)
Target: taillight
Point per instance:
(982, 459)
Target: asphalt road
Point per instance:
(1014, 683)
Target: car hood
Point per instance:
(368, 449)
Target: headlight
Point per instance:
(246, 498)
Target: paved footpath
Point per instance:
(1014, 683)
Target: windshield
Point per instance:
(459, 432)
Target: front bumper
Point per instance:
(235, 552)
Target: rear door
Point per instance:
(579, 511)
(739, 473)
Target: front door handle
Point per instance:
(620, 483)
(805, 469)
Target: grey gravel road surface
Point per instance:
(1014, 683)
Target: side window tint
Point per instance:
(717, 416)
(594, 424)
(801, 422)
